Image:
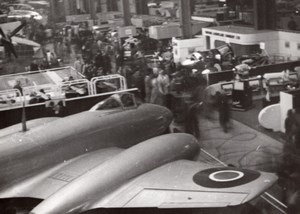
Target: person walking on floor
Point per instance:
(224, 110)
(163, 82)
(290, 126)
(192, 120)
(156, 96)
(148, 86)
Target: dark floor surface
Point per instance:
(250, 118)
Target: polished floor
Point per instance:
(245, 145)
(242, 146)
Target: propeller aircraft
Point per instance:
(6, 39)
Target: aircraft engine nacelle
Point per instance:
(130, 163)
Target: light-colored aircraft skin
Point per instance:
(41, 147)
(113, 159)
(30, 124)
(80, 195)
(154, 173)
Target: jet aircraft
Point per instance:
(114, 156)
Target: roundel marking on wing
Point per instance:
(224, 177)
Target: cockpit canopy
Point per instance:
(116, 101)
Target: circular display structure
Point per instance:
(224, 177)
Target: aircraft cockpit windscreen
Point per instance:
(116, 101)
(128, 100)
(107, 104)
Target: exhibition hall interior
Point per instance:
(150, 106)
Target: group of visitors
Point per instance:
(97, 53)
(157, 78)
(50, 61)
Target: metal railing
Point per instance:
(80, 86)
(12, 98)
(117, 78)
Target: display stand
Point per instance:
(242, 96)
(183, 48)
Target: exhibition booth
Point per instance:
(277, 91)
(273, 116)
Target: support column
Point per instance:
(126, 12)
(185, 19)
(112, 5)
(264, 14)
(141, 7)
(258, 14)
(67, 7)
(92, 8)
(271, 17)
(57, 11)
(52, 11)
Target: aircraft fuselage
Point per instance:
(27, 153)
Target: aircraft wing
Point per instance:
(45, 183)
(179, 184)
(155, 173)
(189, 184)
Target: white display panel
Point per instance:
(286, 103)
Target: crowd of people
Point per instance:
(146, 64)
(103, 53)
